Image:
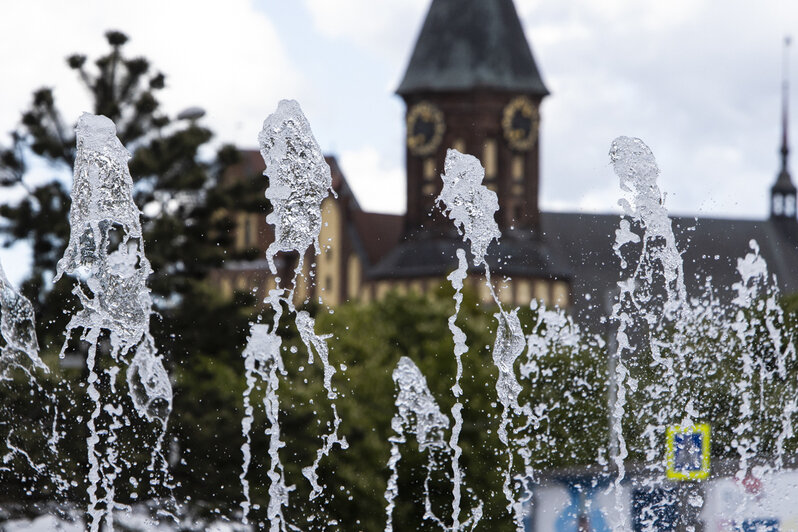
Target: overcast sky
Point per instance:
(698, 80)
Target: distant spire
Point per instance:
(783, 192)
(785, 103)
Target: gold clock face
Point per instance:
(520, 123)
(425, 127)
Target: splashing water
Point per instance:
(417, 413)
(106, 252)
(262, 359)
(510, 344)
(314, 342)
(460, 348)
(472, 208)
(299, 180)
(21, 351)
(553, 332)
(757, 296)
(658, 331)
(17, 327)
(468, 203)
(415, 401)
(637, 171)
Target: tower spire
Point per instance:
(785, 103)
(783, 192)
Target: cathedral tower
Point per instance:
(472, 84)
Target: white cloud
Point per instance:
(378, 27)
(377, 187)
(224, 57)
(16, 261)
(698, 81)
(385, 29)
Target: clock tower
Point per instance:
(472, 84)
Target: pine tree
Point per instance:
(176, 189)
(187, 229)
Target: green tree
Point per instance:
(368, 339)
(705, 367)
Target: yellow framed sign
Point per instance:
(687, 454)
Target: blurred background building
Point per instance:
(472, 84)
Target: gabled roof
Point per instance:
(340, 184)
(470, 44)
(377, 233)
(250, 164)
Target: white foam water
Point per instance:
(299, 181)
(472, 207)
(654, 318)
(105, 253)
(18, 330)
(417, 413)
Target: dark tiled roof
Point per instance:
(434, 256)
(378, 233)
(250, 164)
(339, 183)
(784, 183)
(468, 44)
(709, 247)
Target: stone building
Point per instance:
(472, 84)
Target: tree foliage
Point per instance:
(175, 186)
(368, 339)
(733, 368)
(178, 186)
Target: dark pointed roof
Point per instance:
(468, 44)
(783, 184)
